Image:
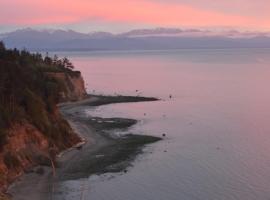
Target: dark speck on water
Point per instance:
(213, 150)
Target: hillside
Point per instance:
(32, 130)
(141, 39)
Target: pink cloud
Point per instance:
(34, 12)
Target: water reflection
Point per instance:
(217, 123)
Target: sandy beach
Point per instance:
(99, 152)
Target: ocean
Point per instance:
(217, 123)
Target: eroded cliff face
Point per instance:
(24, 145)
(27, 146)
(73, 84)
(32, 130)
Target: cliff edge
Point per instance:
(73, 84)
(32, 130)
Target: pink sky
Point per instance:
(247, 14)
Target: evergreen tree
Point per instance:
(2, 46)
(67, 64)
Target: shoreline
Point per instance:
(98, 153)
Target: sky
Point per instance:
(123, 15)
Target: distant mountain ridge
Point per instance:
(139, 39)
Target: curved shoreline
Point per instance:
(99, 152)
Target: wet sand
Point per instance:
(100, 152)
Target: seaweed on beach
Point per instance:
(113, 158)
(104, 100)
(111, 123)
(116, 155)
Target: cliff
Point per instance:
(74, 87)
(32, 130)
(26, 147)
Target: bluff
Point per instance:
(73, 84)
(32, 130)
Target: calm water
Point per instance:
(217, 124)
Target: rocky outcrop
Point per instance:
(73, 85)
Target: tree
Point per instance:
(67, 64)
(47, 59)
(2, 46)
(55, 60)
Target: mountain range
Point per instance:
(139, 39)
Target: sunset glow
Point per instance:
(173, 13)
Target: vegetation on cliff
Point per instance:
(28, 95)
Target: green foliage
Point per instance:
(28, 93)
(2, 46)
(67, 63)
